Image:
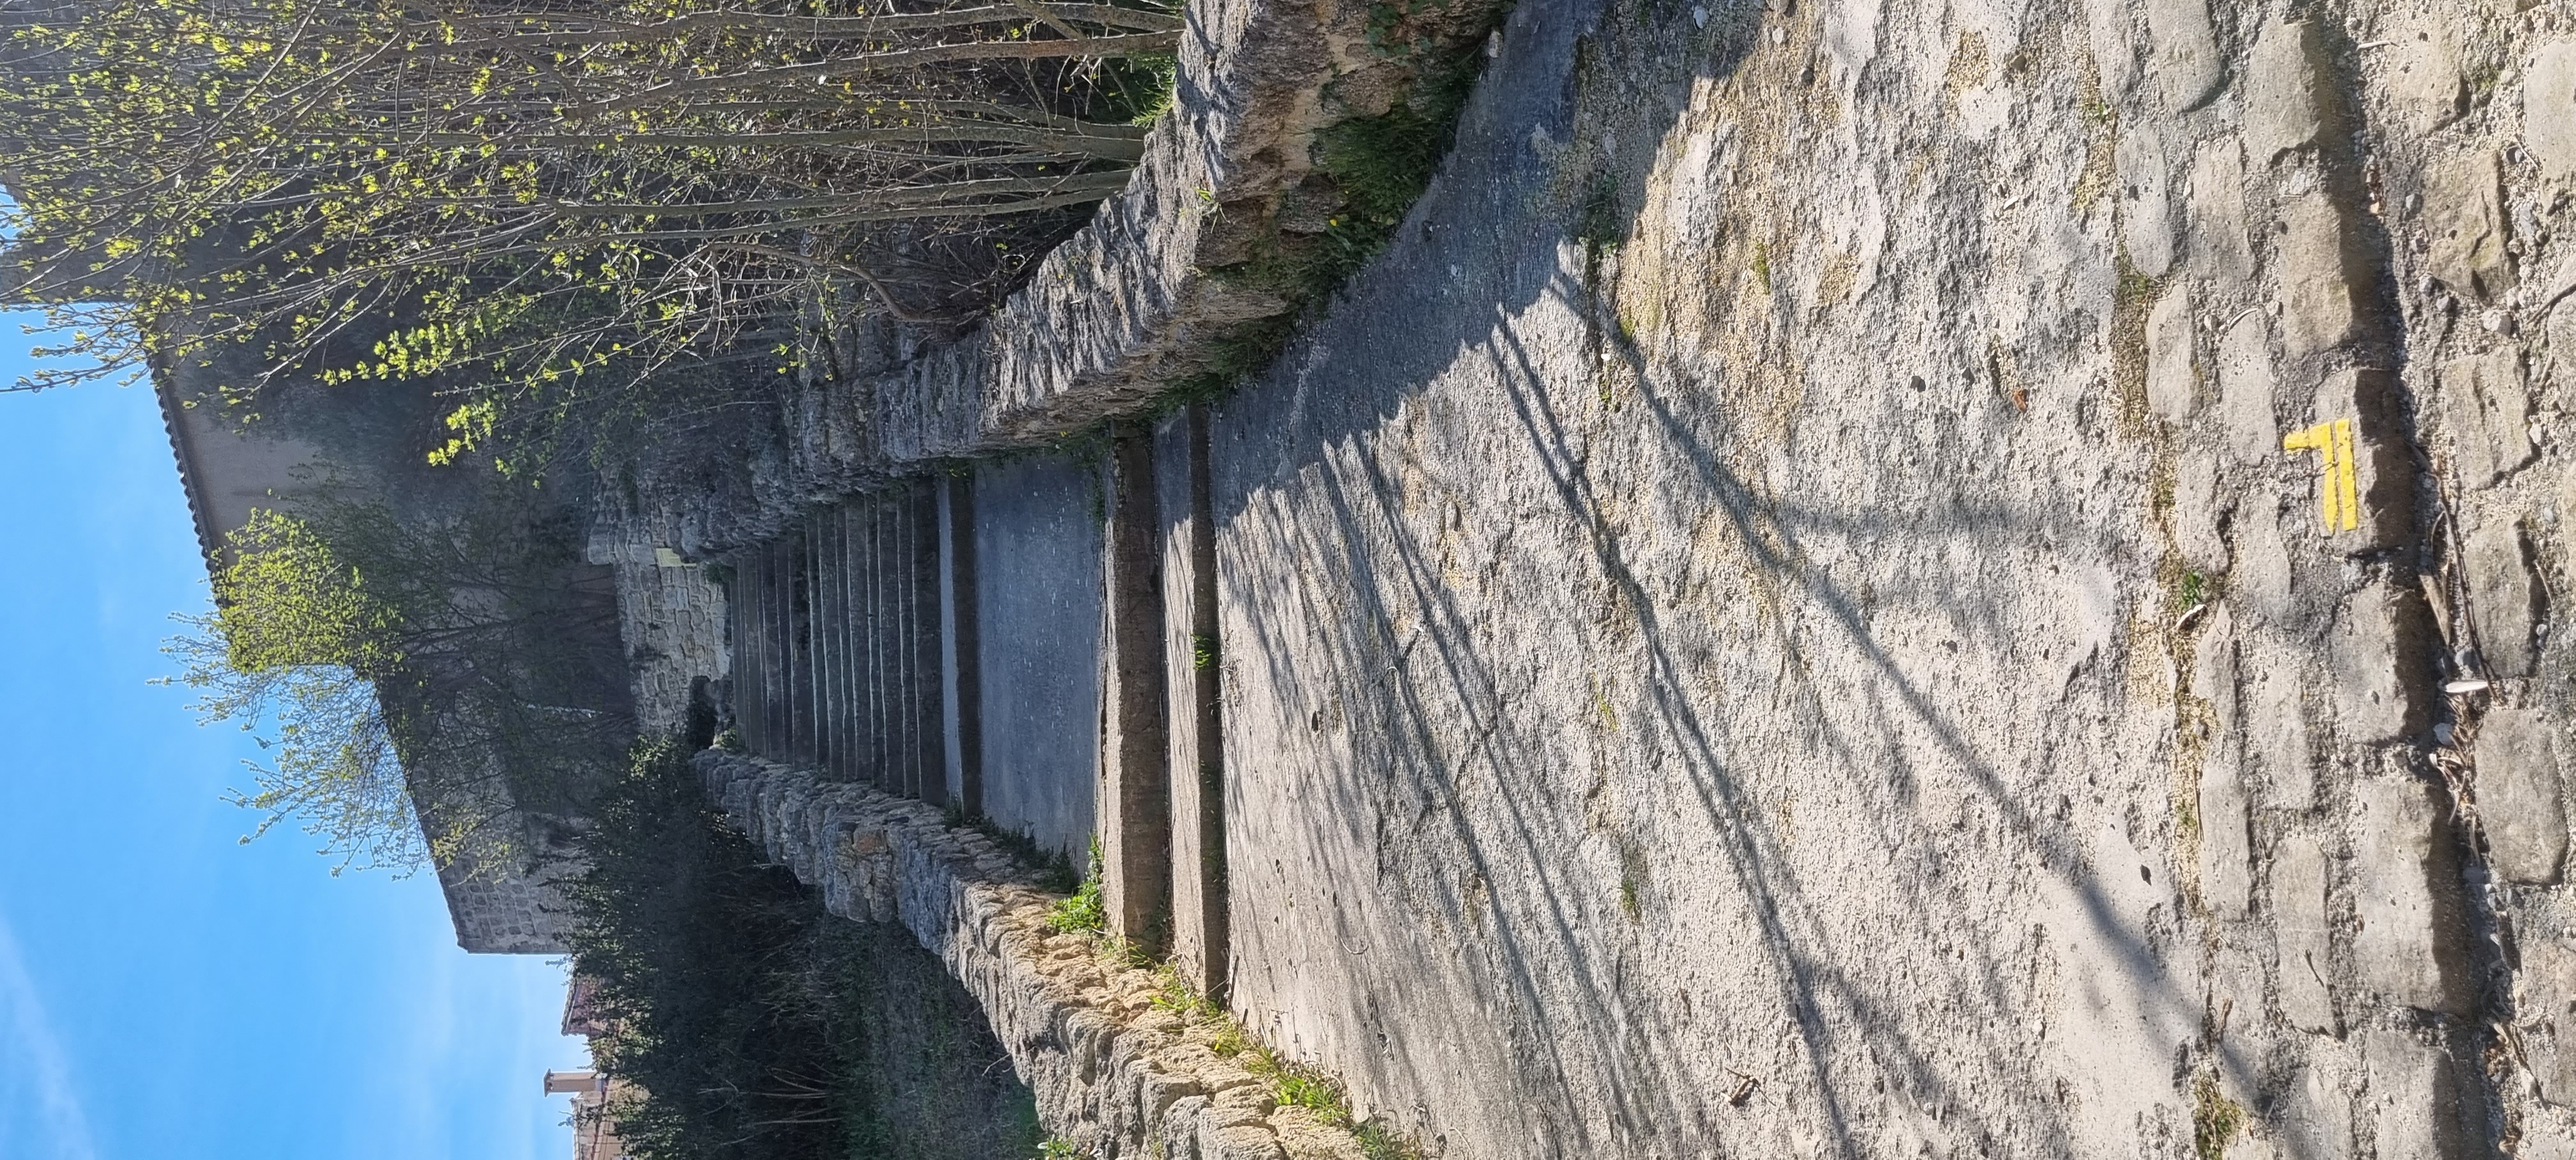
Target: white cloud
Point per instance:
(40, 1106)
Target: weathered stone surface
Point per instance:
(1110, 1073)
(2147, 215)
(2465, 226)
(2226, 857)
(2263, 556)
(2219, 244)
(2521, 795)
(2560, 327)
(2549, 108)
(2545, 1002)
(2411, 942)
(2173, 361)
(2213, 669)
(2504, 596)
(2301, 951)
(2245, 386)
(2182, 52)
(2383, 466)
(2380, 665)
(2110, 31)
(2414, 1098)
(2285, 89)
(2277, 735)
(2486, 411)
(2200, 506)
(2321, 278)
(2422, 72)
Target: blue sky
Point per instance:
(167, 993)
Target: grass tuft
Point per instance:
(1082, 912)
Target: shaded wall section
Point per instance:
(1038, 541)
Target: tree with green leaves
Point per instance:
(467, 664)
(546, 194)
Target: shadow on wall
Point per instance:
(1038, 527)
(1647, 737)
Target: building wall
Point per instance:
(672, 620)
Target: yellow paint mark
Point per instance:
(2344, 482)
(2338, 492)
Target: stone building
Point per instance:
(500, 905)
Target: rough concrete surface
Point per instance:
(1038, 617)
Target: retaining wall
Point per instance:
(1112, 1072)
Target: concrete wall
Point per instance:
(1778, 619)
(1038, 550)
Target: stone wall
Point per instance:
(1038, 615)
(672, 620)
(1148, 295)
(1792, 614)
(1113, 1073)
(1879, 581)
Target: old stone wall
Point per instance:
(1114, 1073)
(671, 618)
(1862, 580)
(1152, 293)
(1898, 580)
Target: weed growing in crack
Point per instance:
(2215, 1119)
(1083, 912)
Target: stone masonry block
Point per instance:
(2263, 557)
(2545, 1002)
(2183, 53)
(2486, 410)
(2560, 326)
(2245, 387)
(2411, 945)
(2146, 220)
(2200, 506)
(2379, 660)
(2173, 370)
(2285, 80)
(2464, 224)
(2504, 596)
(2226, 858)
(2521, 796)
(2316, 1112)
(2413, 1097)
(2549, 108)
(2276, 721)
(2215, 208)
(2213, 670)
(2321, 276)
(2423, 73)
(2382, 466)
(2300, 935)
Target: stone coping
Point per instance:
(1113, 1073)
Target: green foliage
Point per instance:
(381, 660)
(535, 206)
(1295, 1084)
(1597, 223)
(2191, 592)
(755, 1025)
(1055, 1149)
(1083, 912)
(2215, 1119)
(1203, 654)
